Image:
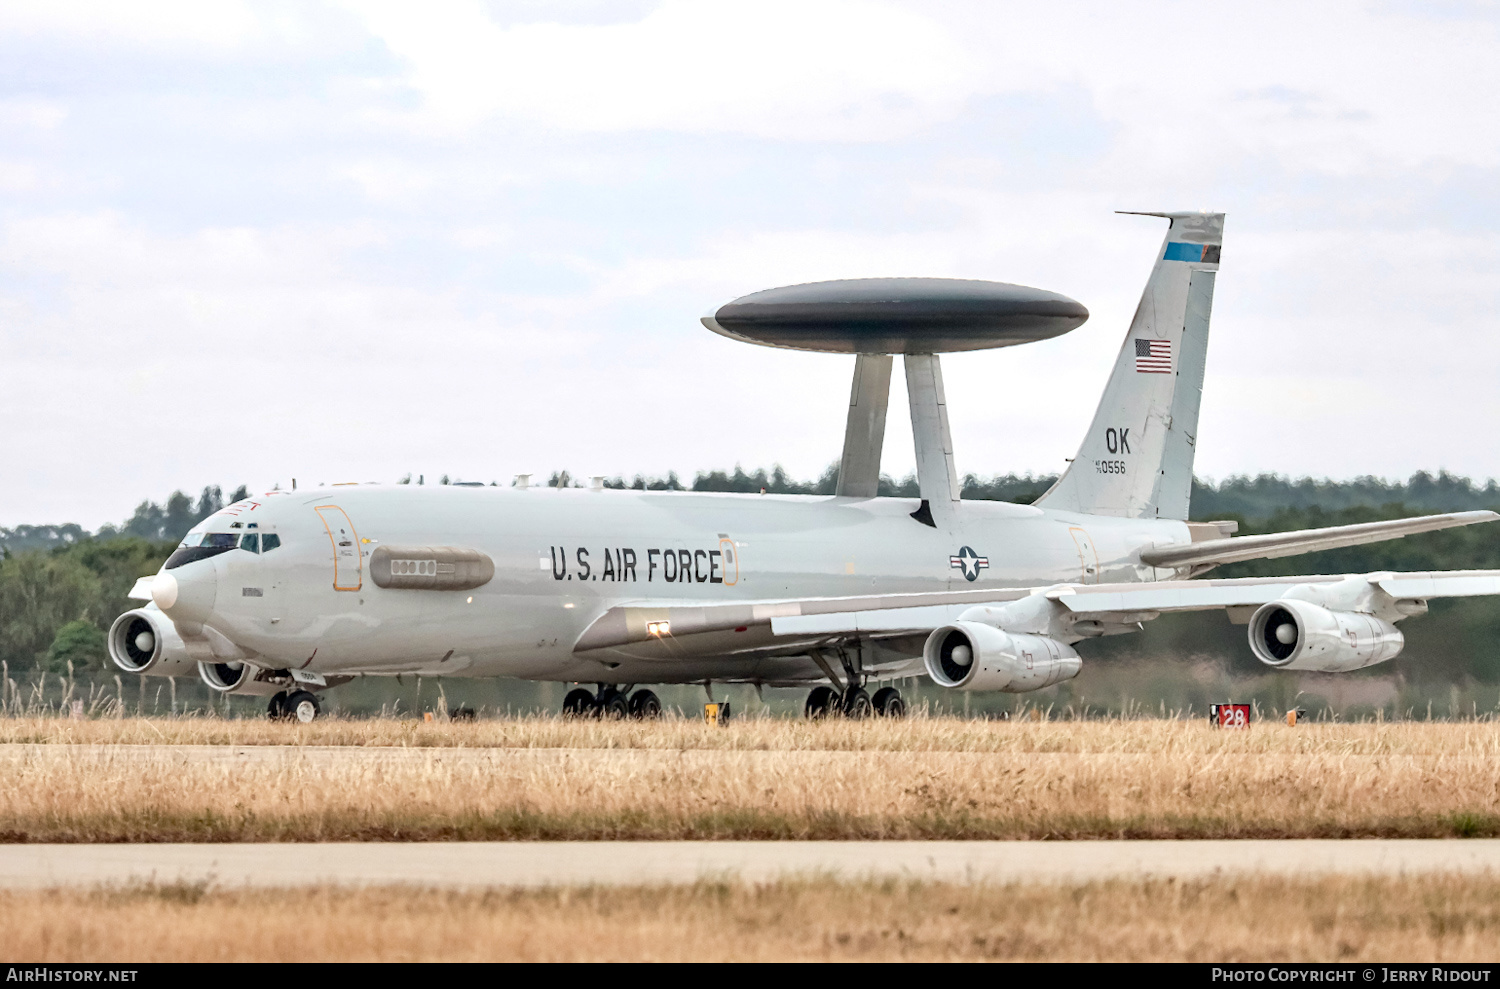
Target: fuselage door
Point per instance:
(1088, 559)
(348, 570)
(729, 559)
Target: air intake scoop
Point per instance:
(897, 316)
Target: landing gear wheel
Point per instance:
(645, 706)
(277, 709)
(579, 704)
(303, 707)
(614, 706)
(822, 702)
(889, 703)
(858, 706)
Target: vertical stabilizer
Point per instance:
(1137, 459)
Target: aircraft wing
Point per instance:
(1212, 552)
(1136, 602)
(1115, 603)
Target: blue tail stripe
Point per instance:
(1178, 251)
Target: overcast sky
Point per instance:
(251, 242)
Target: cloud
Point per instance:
(808, 69)
(261, 241)
(164, 23)
(1342, 87)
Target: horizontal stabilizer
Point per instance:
(1269, 546)
(142, 589)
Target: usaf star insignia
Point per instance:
(969, 562)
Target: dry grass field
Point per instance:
(543, 778)
(1437, 918)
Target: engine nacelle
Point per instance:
(145, 641)
(241, 678)
(1299, 635)
(975, 656)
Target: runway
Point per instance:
(471, 865)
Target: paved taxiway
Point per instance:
(481, 864)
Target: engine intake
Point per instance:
(144, 641)
(975, 656)
(1298, 635)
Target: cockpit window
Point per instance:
(269, 541)
(213, 541)
(200, 546)
(251, 542)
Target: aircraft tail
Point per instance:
(1137, 459)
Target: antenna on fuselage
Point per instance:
(918, 318)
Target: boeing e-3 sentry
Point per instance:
(288, 593)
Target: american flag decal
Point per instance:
(1153, 356)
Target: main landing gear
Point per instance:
(612, 703)
(852, 701)
(824, 702)
(298, 705)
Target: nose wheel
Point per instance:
(304, 707)
(299, 705)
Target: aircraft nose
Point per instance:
(186, 593)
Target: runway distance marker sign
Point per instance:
(1229, 715)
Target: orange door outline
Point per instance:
(1088, 557)
(729, 554)
(348, 561)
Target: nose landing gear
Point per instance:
(299, 705)
(612, 703)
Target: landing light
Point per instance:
(658, 628)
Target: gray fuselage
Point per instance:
(562, 558)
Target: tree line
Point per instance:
(61, 586)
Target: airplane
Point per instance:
(286, 593)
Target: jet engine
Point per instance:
(1298, 635)
(145, 641)
(975, 656)
(240, 678)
